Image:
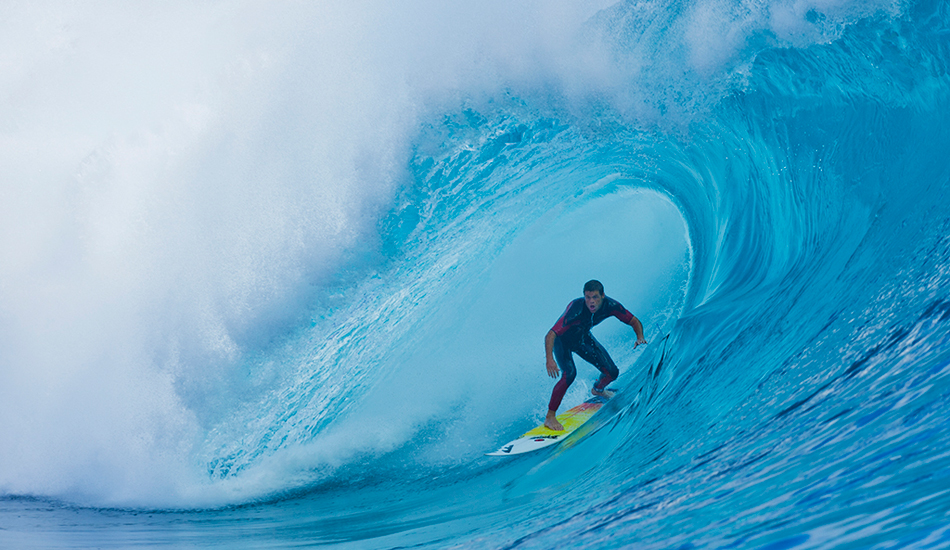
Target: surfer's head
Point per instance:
(593, 295)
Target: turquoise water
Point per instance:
(280, 276)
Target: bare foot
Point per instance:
(551, 423)
(602, 393)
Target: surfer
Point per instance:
(571, 334)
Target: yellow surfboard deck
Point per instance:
(542, 437)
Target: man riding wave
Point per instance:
(571, 334)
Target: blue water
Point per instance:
(279, 275)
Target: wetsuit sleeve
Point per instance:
(620, 312)
(561, 326)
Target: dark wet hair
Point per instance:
(594, 285)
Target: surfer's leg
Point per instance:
(591, 351)
(568, 372)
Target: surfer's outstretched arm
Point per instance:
(638, 328)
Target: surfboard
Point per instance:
(542, 437)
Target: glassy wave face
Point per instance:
(281, 275)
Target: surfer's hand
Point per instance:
(553, 371)
(639, 341)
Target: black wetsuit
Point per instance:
(573, 336)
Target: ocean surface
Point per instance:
(278, 274)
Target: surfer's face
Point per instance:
(593, 299)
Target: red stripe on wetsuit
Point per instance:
(574, 318)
